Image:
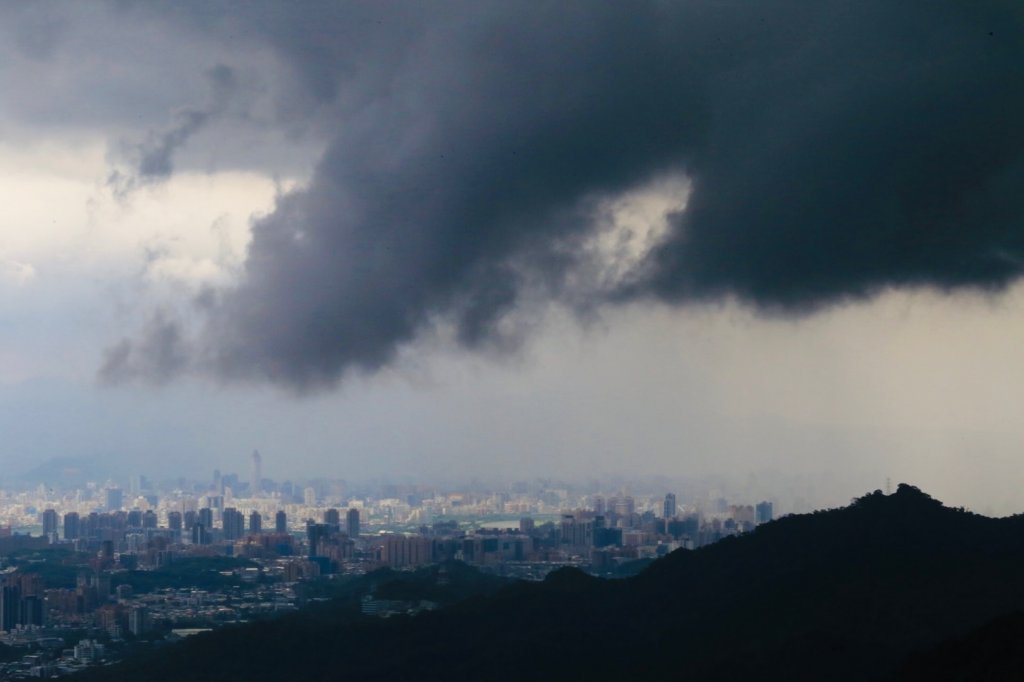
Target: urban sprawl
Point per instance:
(87, 573)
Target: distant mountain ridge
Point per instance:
(65, 472)
(845, 594)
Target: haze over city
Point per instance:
(428, 241)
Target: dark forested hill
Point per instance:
(847, 594)
(994, 651)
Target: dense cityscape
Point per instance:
(92, 573)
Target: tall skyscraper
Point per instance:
(200, 534)
(332, 518)
(30, 610)
(256, 477)
(316, 535)
(72, 526)
(233, 522)
(764, 512)
(255, 522)
(50, 524)
(137, 484)
(10, 602)
(281, 522)
(174, 521)
(352, 523)
(670, 505)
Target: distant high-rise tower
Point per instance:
(115, 499)
(332, 517)
(255, 522)
(10, 598)
(50, 524)
(316, 536)
(256, 481)
(200, 534)
(233, 524)
(137, 483)
(764, 512)
(174, 521)
(670, 505)
(352, 523)
(72, 526)
(281, 522)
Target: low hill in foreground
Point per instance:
(877, 590)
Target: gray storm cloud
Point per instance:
(833, 150)
(152, 159)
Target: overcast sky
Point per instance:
(772, 240)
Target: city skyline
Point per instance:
(122, 570)
(391, 240)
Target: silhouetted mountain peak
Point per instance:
(907, 499)
(911, 493)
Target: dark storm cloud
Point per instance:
(834, 149)
(152, 159)
(879, 148)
